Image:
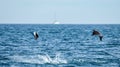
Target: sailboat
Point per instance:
(56, 22)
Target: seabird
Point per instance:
(98, 34)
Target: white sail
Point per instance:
(56, 22)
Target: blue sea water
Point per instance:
(59, 46)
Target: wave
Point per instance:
(38, 59)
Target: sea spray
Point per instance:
(38, 59)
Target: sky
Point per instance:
(64, 11)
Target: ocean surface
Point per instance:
(59, 46)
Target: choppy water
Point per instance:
(59, 46)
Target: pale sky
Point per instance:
(67, 11)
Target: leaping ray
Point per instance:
(98, 34)
(35, 35)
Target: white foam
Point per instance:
(38, 59)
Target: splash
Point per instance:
(39, 59)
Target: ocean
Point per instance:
(63, 45)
